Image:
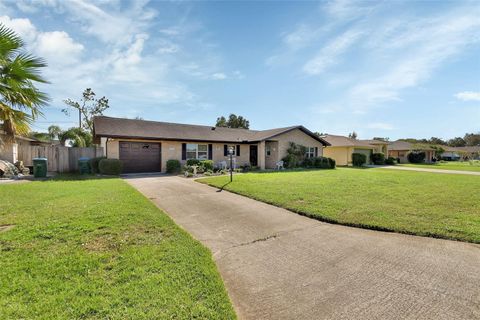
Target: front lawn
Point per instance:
(452, 165)
(98, 249)
(428, 204)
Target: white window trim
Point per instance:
(197, 151)
(310, 152)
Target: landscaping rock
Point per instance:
(7, 169)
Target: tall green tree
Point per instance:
(233, 121)
(472, 139)
(20, 100)
(88, 107)
(353, 135)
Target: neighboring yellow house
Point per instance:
(342, 147)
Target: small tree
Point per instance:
(295, 155)
(88, 107)
(353, 135)
(233, 121)
(416, 157)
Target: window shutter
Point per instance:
(316, 152)
(184, 151)
(238, 150)
(210, 151)
(225, 150)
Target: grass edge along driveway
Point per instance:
(98, 249)
(417, 203)
(473, 166)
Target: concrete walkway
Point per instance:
(280, 265)
(471, 173)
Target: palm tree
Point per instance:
(20, 100)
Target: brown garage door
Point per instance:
(140, 156)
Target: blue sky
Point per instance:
(390, 68)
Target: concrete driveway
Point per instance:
(279, 265)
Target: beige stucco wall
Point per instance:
(299, 137)
(341, 155)
(272, 159)
(173, 150)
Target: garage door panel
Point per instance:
(140, 156)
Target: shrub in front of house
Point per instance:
(378, 158)
(309, 163)
(110, 167)
(359, 159)
(290, 161)
(332, 163)
(390, 161)
(416, 157)
(193, 162)
(207, 165)
(319, 162)
(173, 166)
(94, 163)
(322, 163)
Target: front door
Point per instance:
(253, 155)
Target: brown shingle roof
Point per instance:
(404, 145)
(342, 141)
(142, 129)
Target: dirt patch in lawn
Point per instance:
(6, 227)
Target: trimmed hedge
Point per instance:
(173, 166)
(193, 162)
(359, 159)
(319, 162)
(378, 158)
(416, 157)
(390, 161)
(207, 164)
(94, 164)
(110, 167)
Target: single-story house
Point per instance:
(400, 150)
(145, 146)
(461, 153)
(341, 148)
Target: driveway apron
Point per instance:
(279, 265)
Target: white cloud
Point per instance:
(219, 76)
(58, 47)
(329, 55)
(23, 27)
(380, 126)
(468, 96)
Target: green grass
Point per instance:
(452, 165)
(98, 249)
(428, 204)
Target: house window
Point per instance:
(268, 152)
(197, 151)
(234, 147)
(310, 152)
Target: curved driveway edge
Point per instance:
(444, 171)
(280, 265)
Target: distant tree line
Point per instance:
(469, 139)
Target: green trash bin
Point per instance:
(40, 167)
(84, 166)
